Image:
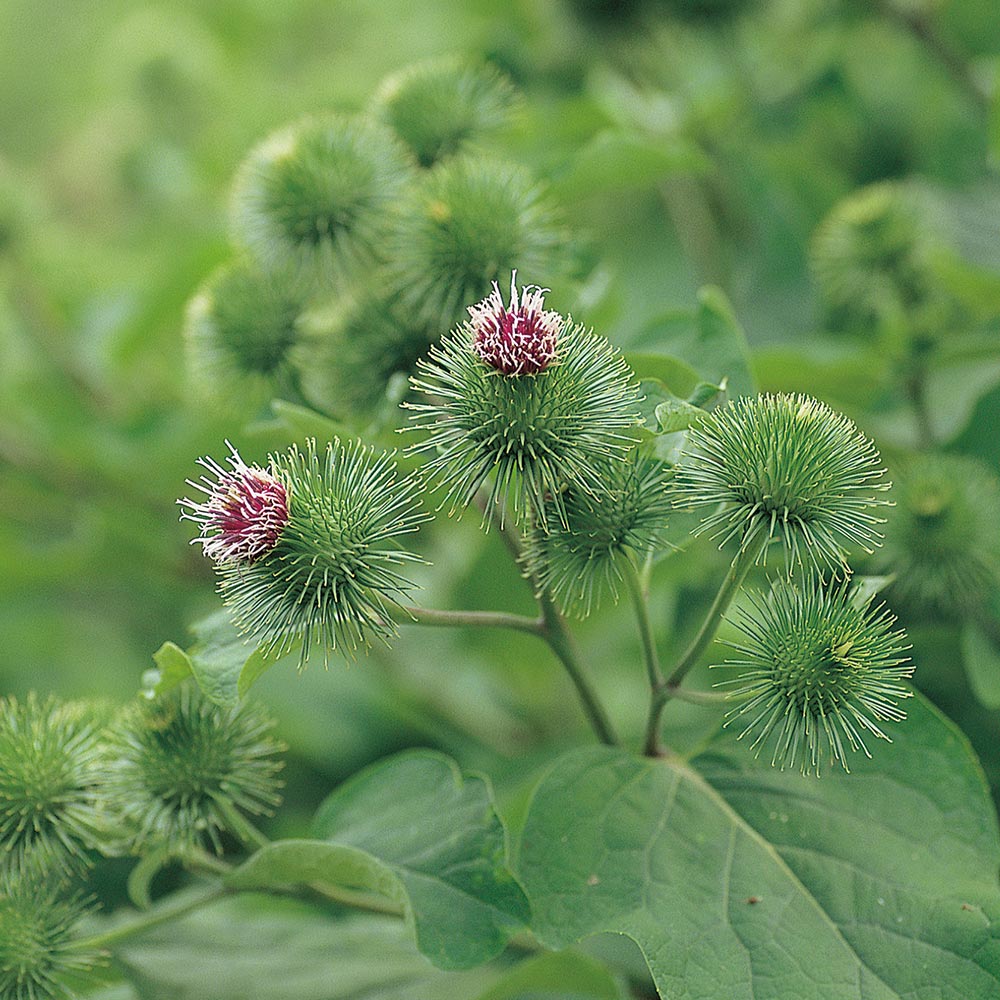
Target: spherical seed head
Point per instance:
(786, 467)
(316, 198)
(518, 339)
(941, 539)
(331, 578)
(869, 256)
(439, 106)
(50, 783)
(819, 671)
(242, 337)
(244, 513)
(467, 220)
(181, 763)
(526, 438)
(576, 562)
(37, 931)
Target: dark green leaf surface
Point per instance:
(982, 664)
(413, 830)
(743, 882)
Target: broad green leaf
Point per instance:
(218, 657)
(280, 949)
(678, 376)
(723, 343)
(740, 881)
(258, 664)
(618, 159)
(674, 415)
(710, 341)
(563, 975)
(412, 829)
(982, 664)
(173, 665)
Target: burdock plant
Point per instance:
(786, 468)
(521, 402)
(820, 671)
(305, 549)
(52, 770)
(314, 199)
(185, 769)
(39, 955)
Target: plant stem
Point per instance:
(478, 619)
(640, 603)
(161, 914)
(663, 692)
(551, 627)
(560, 641)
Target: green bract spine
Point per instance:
(525, 438)
(820, 670)
(315, 199)
(785, 467)
(577, 561)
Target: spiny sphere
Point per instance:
(244, 514)
(316, 199)
(440, 106)
(183, 764)
(39, 949)
(242, 336)
(941, 538)
(303, 549)
(784, 466)
(577, 561)
(51, 774)
(529, 434)
(819, 670)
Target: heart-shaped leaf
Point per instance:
(413, 830)
(740, 881)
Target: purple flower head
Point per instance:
(244, 514)
(519, 339)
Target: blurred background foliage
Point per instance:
(830, 166)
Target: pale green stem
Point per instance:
(668, 689)
(640, 603)
(476, 619)
(160, 914)
(557, 635)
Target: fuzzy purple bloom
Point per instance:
(244, 514)
(519, 339)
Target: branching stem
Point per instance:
(640, 602)
(476, 619)
(664, 691)
(560, 640)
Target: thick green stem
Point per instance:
(560, 641)
(160, 914)
(477, 619)
(640, 603)
(668, 689)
